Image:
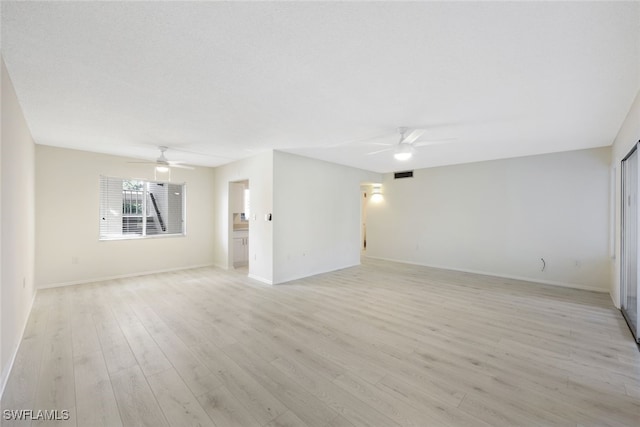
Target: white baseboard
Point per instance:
(616, 304)
(121, 276)
(505, 276)
(7, 370)
(260, 279)
(221, 266)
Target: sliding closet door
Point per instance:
(629, 294)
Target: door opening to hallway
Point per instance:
(239, 220)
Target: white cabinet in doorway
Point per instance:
(240, 248)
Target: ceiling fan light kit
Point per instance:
(406, 146)
(403, 152)
(162, 166)
(162, 173)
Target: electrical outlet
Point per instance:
(24, 282)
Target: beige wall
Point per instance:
(627, 137)
(17, 224)
(500, 217)
(67, 225)
(317, 216)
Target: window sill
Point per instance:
(134, 237)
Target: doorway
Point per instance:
(369, 193)
(239, 215)
(629, 230)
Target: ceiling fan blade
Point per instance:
(361, 141)
(174, 165)
(413, 136)
(144, 163)
(200, 153)
(378, 151)
(434, 142)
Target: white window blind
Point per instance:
(136, 208)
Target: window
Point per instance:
(134, 208)
(247, 205)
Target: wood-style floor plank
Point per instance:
(116, 350)
(56, 382)
(96, 403)
(225, 409)
(288, 419)
(136, 402)
(178, 404)
(252, 395)
(381, 344)
(311, 410)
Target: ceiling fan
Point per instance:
(407, 144)
(162, 164)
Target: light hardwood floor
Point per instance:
(382, 344)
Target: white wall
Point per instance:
(316, 216)
(259, 171)
(627, 137)
(67, 225)
(500, 217)
(17, 225)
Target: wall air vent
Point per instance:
(405, 174)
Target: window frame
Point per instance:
(107, 238)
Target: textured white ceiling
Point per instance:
(230, 79)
